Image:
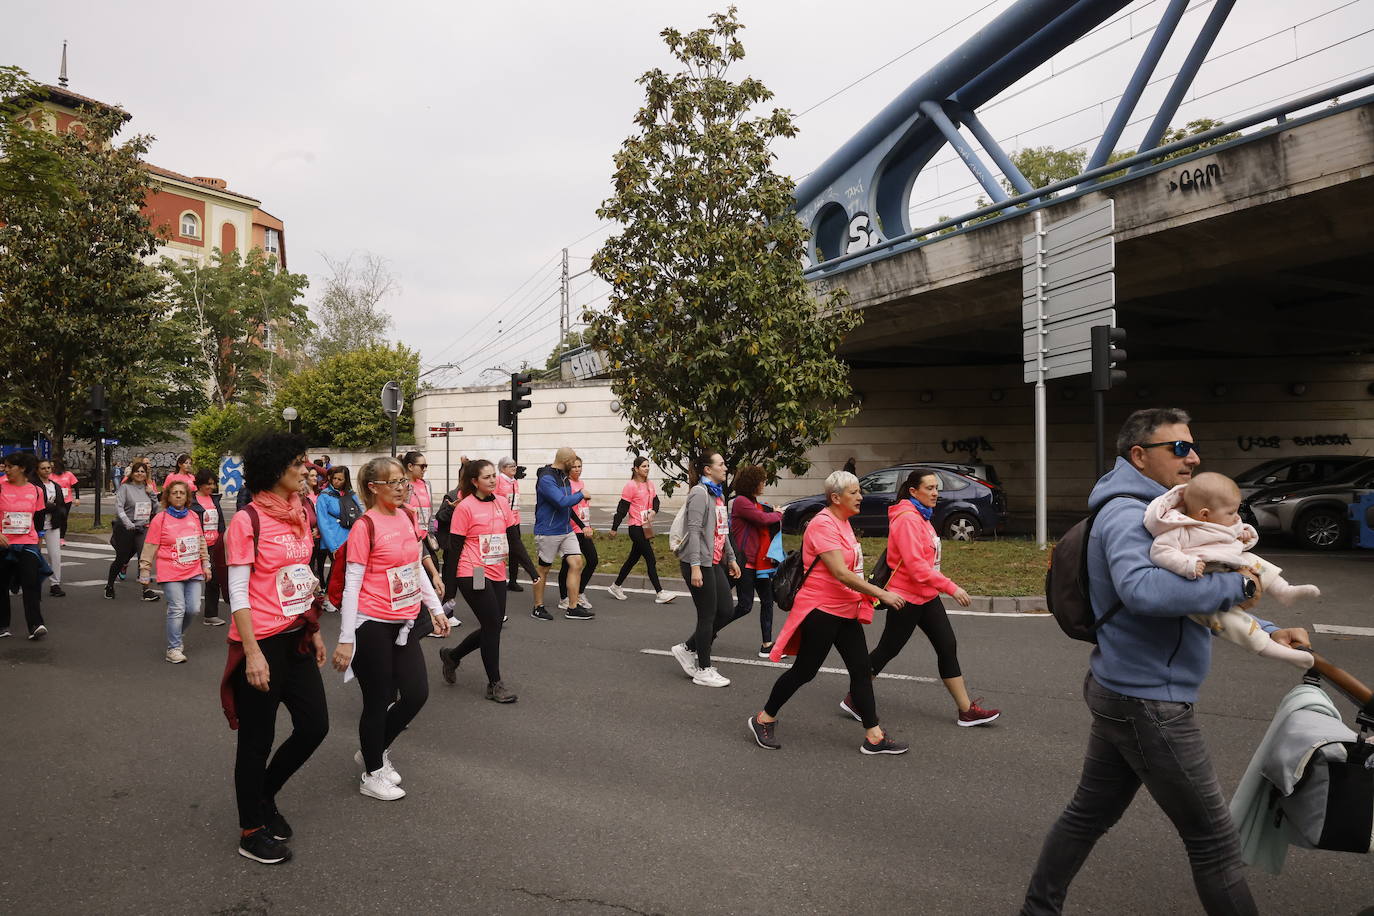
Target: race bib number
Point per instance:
(584, 511)
(210, 521)
(404, 585)
(17, 522)
(858, 566)
(422, 515)
(295, 589)
(936, 539)
(722, 521)
(494, 548)
(188, 550)
(67, 494)
(142, 512)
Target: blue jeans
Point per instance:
(1157, 744)
(183, 598)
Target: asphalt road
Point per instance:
(614, 784)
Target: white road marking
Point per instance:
(83, 555)
(1343, 631)
(83, 583)
(760, 663)
(959, 611)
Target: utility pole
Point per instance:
(563, 318)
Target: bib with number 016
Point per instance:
(188, 550)
(494, 548)
(210, 520)
(17, 522)
(295, 589)
(404, 585)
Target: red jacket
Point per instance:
(752, 527)
(913, 553)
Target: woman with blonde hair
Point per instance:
(176, 541)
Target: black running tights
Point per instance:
(519, 556)
(489, 604)
(128, 544)
(384, 671)
(933, 621)
(715, 610)
(589, 560)
(819, 631)
(640, 546)
(22, 566)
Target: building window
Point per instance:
(271, 241)
(190, 225)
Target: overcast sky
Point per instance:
(468, 143)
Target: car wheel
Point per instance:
(961, 527)
(1321, 529)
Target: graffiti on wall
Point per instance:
(1246, 443)
(971, 446)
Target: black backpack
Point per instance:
(788, 579)
(882, 573)
(1066, 583)
(349, 511)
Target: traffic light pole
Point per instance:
(1100, 421)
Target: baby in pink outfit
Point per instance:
(1197, 529)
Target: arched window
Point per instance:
(228, 238)
(190, 225)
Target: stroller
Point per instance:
(1311, 781)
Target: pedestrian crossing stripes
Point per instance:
(760, 663)
(1334, 630)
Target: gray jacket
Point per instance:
(127, 498)
(699, 547)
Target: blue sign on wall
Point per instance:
(230, 476)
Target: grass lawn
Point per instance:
(1009, 566)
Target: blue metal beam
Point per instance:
(993, 149)
(1169, 107)
(975, 165)
(1139, 79)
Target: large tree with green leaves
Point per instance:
(30, 169)
(714, 340)
(339, 398)
(242, 314)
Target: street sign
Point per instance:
(110, 441)
(586, 363)
(391, 399)
(1068, 284)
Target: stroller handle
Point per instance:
(1343, 681)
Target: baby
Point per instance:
(1197, 529)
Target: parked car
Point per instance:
(1316, 515)
(969, 506)
(1300, 471)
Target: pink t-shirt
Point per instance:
(67, 481)
(509, 489)
(582, 510)
(391, 553)
(421, 502)
(18, 503)
(178, 546)
(281, 587)
(722, 531)
(640, 496)
(210, 518)
(821, 589)
(188, 479)
(483, 524)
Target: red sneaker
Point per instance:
(977, 715)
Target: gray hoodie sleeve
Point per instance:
(697, 504)
(124, 505)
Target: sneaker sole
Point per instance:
(701, 683)
(963, 724)
(688, 668)
(449, 670)
(579, 616)
(844, 708)
(175, 661)
(503, 700)
(749, 722)
(669, 600)
(865, 750)
(248, 855)
(400, 793)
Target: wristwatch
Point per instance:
(1248, 588)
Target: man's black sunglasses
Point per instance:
(1181, 447)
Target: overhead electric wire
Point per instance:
(513, 292)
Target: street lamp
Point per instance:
(289, 414)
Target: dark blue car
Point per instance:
(969, 506)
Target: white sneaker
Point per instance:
(455, 622)
(176, 656)
(449, 605)
(375, 785)
(563, 604)
(583, 603)
(710, 677)
(663, 597)
(616, 592)
(688, 660)
(387, 771)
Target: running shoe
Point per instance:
(109, 591)
(212, 621)
(14, 587)
(276, 824)
(616, 592)
(576, 613)
(450, 605)
(38, 632)
(454, 622)
(686, 658)
(540, 614)
(497, 692)
(710, 677)
(375, 785)
(56, 592)
(261, 846)
(123, 574)
(847, 707)
(562, 604)
(386, 771)
(5, 633)
(583, 603)
(450, 666)
(763, 733)
(885, 746)
(150, 595)
(176, 656)
(515, 587)
(664, 597)
(766, 650)
(977, 715)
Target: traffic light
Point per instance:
(1107, 344)
(519, 388)
(503, 414)
(97, 410)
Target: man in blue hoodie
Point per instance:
(1144, 678)
(554, 498)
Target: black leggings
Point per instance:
(217, 589)
(386, 671)
(640, 546)
(489, 604)
(819, 631)
(933, 621)
(519, 557)
(293, 679)
(747, 585)
(714, 609)
(128, 544)
(589, 559)
(23, 566)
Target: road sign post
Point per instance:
(391, 405)
(445, 431)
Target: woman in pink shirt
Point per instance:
(183, 473)
(205, 503)
(508, 489)
(176, 541)
(65, 479)
(639, 504)
(21, 501)
(275, 650)
(830, 610)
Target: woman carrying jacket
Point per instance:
(639, 501)
(913, 555)
(753, 525)
(134, 510)
(705, 556)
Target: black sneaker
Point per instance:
(577, 613)
(763, 733)
(498, 693)
(885, 746)
(261, 846)
(109, 591)
(14, 587)
(276, 824)
(149, 595)
(56, 592)
(450, 665)
(540, 614)
(515, 587)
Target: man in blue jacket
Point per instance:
(1144, 677)
(553, 533)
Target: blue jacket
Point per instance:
(553, 502)
(1149, 649)
(332, 534)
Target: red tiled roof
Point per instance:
(168, 173)
(75, 100)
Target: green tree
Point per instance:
(81, 306)
(339, 398)
(216, 432)
(240, 311)
(349, 309)
(30, 169)
(713, 338)
(553, 365)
